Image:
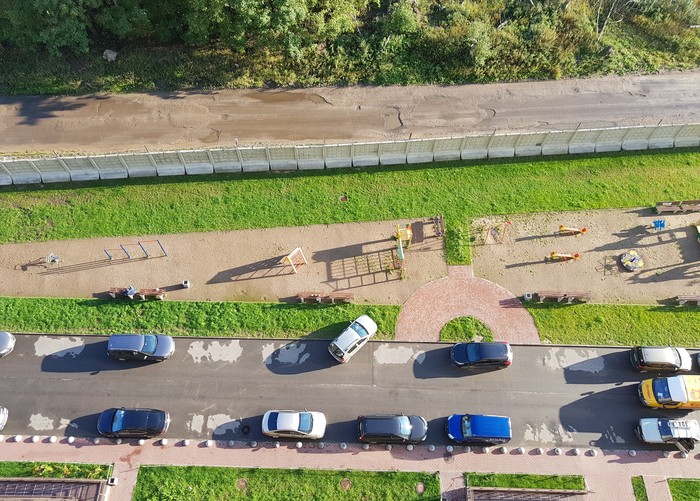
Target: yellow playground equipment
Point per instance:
(404, 234)
(571, 231)
(558, 256)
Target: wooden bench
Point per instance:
(662, 207)
(560, 296)
(690, 205)
(689, 299)
(310, 296)
(342, 297)
(151, 294)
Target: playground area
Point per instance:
(615, 256)
(360, 262)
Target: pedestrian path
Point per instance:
(462, 294)
(608, 474)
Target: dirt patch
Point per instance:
(236, 265)
(514, 253)
(345, 484)
(242, 484)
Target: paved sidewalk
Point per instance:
(462, 294)
(607, 474)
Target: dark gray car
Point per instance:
(392, 429)
(151, 347)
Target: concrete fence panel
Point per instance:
(310, 157)
(110, 167)
(503, 146)
(81, 169)
(583, 141)
(556, 143)
(168, 164)
(688, 136)
(140, 165)
(226, 160)
(197, 162)
(23, 172)
(475, 147)
(663, 136)
(52, 170)
(447, 149)
(529, 144)
(419, 151)
(254, 159)
(393, 153)
(283, 158)
(610, 140)
(637, 138)
(338, 155)
(365, 154)
(5, 176)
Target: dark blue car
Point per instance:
(478, 429)
(136, 423)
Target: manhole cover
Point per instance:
(245, 429)
(345, 484)
(420, 488)
(241, 484)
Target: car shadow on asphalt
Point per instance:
(436, 364)
(83, 426)
(299, 357)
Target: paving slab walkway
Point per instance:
(462, 294)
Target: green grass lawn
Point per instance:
(465, 329)
(460, 190)
(617, 324)
(684, 490)
(640, 491)
(209, 483)
(523, 481)
(189, 318)
(10, 469)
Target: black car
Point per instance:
(487, 355)
(134, 423)
(392, 429)
(151, 347)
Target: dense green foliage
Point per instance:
(182, 44)
(189, 318)
(12, 469)
(684, 489)
(523, 481)
(465, 329)
(460, 190)
(198, 482)
(640, 490)
(626, 325)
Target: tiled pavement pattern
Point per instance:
(607, 474)
(462, 294)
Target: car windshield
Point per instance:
(404, 426)
(149, 344)
(473, 352)
(466, 426)
(306, 422)
(662, 391)
(361, 331)
(665, 429)
(336, 351)
(118, 421)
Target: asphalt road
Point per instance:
(214, 388)
(209, 119)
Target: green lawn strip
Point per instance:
(189, 318)
(460, 190)
(626, 325)
(523, 481)
(465, 329)
(10, 469)
(215, 483)
(684, 489)
(640, 491)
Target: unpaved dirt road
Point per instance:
(183, 120)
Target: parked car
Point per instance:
(478, 429)
(135, 423)
(7, 343)
(3, 417)
(392, 429)
(484, 355)
(294, 424)
(660, 359)
(683, 433)
(152, 347)
(354, 337)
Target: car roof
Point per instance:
(490, 426)
(383, 424)
(659, 354)
(131, 342)
(287, 420)
(493, 351)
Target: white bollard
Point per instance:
(163, 441)
(388, 447)
(70, 440)
(409, 447)
(343, 445)
(231, 443)
(431, 448)
(486, 450)
(53, 439)
(321, 445)
(365, 447)
(186, 442)
(632, 453)
(96, 440)
(18, 438)
(35, 439)
(299, 445)
(450, 449)
(141, 441)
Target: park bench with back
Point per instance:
(688, 299)
(340, 297)
(309, 296)
(561, 296)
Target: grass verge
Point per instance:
(465, 329)
(196, 482)
(460, 190)
(684, 489)
(189, 318)
(626, 325)
(522, 481)
(53, 470)
(640, 491)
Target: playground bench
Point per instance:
(151, 294)
(668, 207)
(343, 297)
(560, 296)
(689, 299)
(690, 205)
(309, 296)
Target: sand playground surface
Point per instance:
(360, 258)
